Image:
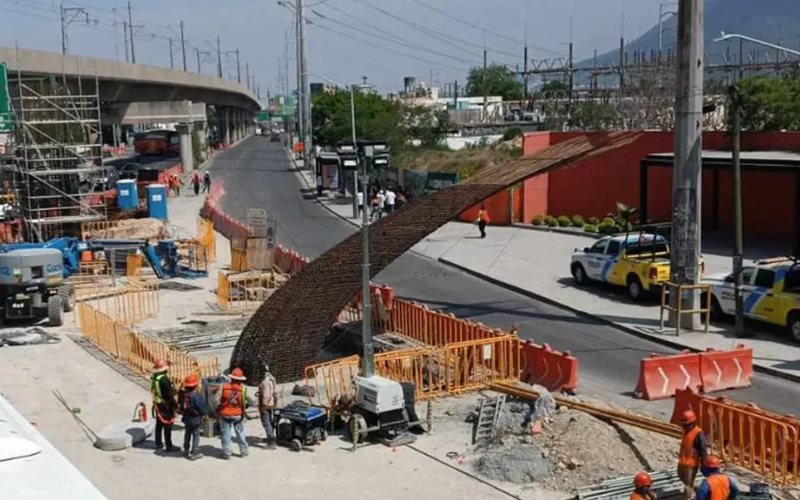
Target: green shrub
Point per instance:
(512, 133)
(564, 221)
(550, 221)
(590, 228)
(594, 221)
(577, 221)
(608, 228)
(608, 221)
(538, 220)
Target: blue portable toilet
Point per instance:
(127, 194)
(157, 201)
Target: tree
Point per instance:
(553, 88)
(376, 118)
(771, 102)
(497, 80)
(593, 115)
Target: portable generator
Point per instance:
(380, 410)
(300, 424)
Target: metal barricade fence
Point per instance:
(680, 289)
(207, 239)
(133, 302)
(434, 327)
(136, 351)
(133, 265)
(245, 291)
(751, 438)
(435, 371)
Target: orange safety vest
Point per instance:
(233, 400)
(637, 496)
(688, 456)
(720, 486)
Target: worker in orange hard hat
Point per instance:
(694, 449)
(716, 485)
(231, 413)
(163, 406)
(642, 482)
(193, 408)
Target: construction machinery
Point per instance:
(32, 286)
(300, 424)
(380, 410)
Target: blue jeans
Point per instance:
(227, 426)
(266, 421)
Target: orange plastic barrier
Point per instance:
(721, 370)
(555, 370)
(745, 435)
(661, 376)
(282, 259)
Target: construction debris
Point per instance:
(666, 485)
(27, 336)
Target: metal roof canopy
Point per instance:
(785, 162)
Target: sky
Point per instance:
(346, 39)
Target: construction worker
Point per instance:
(266, 406)
(231, 413)
(193, 407)
(716, 485)
(196, 183)
(642, 482)
(694, 449)
(163, 406)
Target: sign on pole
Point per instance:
(6, 123)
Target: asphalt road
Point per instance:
(257, 174)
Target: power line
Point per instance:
(481, 28)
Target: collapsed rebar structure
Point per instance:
(58, 150)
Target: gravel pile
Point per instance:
(515, 463)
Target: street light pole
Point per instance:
(132, 31)
(367, 359)
(219, 59)
(183, 47)
(738, 252)
(197, 53)
(355, 148)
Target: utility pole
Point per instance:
(247, 73)
(738, 250)
(485, 89)
(298, 60)
(308, 149)
(238, 68)
(171, 58)
(197, 53)
(130, 25)
(68, 15)
(455, 95)
(219, 58)
(183, 47)
(125, 36)
(621, 66)
(525, 63)
(687, 169)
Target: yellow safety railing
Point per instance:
(245, 291)
(238, 259)
(680, 290)
(193, 256)
(98, 229)
(129, 303)
(435, 327)
(206, 238)
(137, 351)
(435, 371)
(94, 268)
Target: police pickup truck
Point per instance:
(770, 294)
(639, 262)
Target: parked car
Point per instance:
(770, 294)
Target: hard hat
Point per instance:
(237, 374)
(160, 366)
(642, 479)
(191, 381)
(688, 417)
(713, 462)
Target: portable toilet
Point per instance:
(127, 194)
(157, 201)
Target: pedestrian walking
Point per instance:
(401, 201)
(206, 182)
(360, 201)
(193, 408)
(163, 406)
(381, 196)
(267, 400)
(196, 183)
(483, 221)
(693, 452)
(175, 184)
(374, 204)
(391, 198)
(231, 414)
(320, 185)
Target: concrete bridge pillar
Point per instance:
(187, 155)
(226, 138)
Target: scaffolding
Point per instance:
(58, 151)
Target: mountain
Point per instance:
(773, 21)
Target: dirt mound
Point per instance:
(516, 463)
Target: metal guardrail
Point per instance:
(129, 303)
(207, 238)
(680, 289)
(137, 351)
(246, 291)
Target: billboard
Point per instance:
(6, 123)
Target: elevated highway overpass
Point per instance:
(123, 86)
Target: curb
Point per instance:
(632, 331)
(546, 229)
